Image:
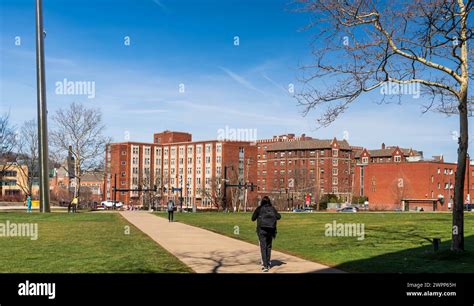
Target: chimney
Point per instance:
(383, 146)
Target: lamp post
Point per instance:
(42, 111)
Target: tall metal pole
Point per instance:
(42, 112)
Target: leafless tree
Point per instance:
(7, 144)
(364, 45)
(82, 129)
(28, 154)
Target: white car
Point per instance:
(110, 204)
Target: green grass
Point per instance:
(82, 242)
(394, 242)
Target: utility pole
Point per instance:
(42, 111)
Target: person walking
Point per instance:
(266, 216)
(74, 203)
(28, 204)
(171, 211)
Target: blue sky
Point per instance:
(191, 43)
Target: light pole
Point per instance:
(42, 111)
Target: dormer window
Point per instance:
(397, 158)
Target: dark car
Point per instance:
(348, 209)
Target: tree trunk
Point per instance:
(458, 209)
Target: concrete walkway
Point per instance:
(207, 252)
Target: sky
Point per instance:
(194, 66)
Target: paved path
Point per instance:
(207, 252)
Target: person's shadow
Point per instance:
(277, 263)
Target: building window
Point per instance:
(398, 158)
(124, 152)
(446, 185)
(334, 162)
(439, 185)
(335, 152)
(123, 163)
(334, 171)
(365, 160)
(439, 170)
(334, 181)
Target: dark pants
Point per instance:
(265, 236)
(170, 216)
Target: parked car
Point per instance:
(298, 210)
(348, 209)
(110, 204)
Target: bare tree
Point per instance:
(213, 192)
(364, 45)
(7, 145)
(28, 155)
(82, 129)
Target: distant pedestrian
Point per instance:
(74, 203)
(28, 204)
(170, 211)
(266, 216)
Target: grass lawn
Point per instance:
(394, 242)
(82, 242)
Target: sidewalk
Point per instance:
(207, 252)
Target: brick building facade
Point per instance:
(394, 178)
(304, 167)
(177, 166)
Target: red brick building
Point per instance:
(62, 187)
(304, 167)
(174, 161)
(396, 178)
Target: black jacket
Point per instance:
(256, 214)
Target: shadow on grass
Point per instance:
(418, 260)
